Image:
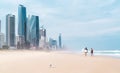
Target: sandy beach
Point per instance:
(39, 62)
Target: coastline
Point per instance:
(27, 61)
(103, 53)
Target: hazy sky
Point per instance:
(91, 23)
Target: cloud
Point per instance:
(100, 33)
(12, 2)
(93, 28)
(115, 12)
(72, 18)
(80, 18)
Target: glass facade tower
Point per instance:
(34, 30)
(0, 26)
(10, 30)
(22, 23)
(28, 28)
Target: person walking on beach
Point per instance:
(91, 51)
(86, 51)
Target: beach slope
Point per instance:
(55, 62)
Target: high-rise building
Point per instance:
(34, 30)
(53, 44)
(10, 30)
(1, 40)
(0, 26)
(22, 24)
(28, 32)
(28, 28)
(42, 34)
(16, 39)
(60, 41)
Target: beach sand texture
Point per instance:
(55, 62)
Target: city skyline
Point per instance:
(82, 23)
(28, 29)
(28, 32)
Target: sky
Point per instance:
(82, 23)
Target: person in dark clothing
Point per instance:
(91, 51)
(86, 51)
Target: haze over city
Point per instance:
(91, 23)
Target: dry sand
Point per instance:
(39, 62)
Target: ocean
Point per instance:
(109, 53)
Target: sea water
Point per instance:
(112, 53)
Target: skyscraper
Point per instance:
(1, 40)
(10, 30)
(43, 32)
(0, 26)
(60, 41)
(42, 42)
(34, 30)
(22, 24)
(28, 28)
(53, 43)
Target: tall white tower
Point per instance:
(42, 43)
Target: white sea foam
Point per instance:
(113, 53)
(108, 51)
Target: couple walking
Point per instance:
(86, 51)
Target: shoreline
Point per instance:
(59, 51)
(55, 62)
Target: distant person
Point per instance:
(91, 51)
(86, 51)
